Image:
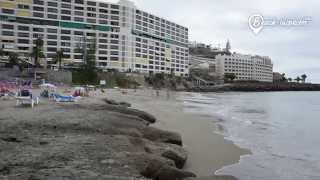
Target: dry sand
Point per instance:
(207, 151)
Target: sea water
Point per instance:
(282, 130)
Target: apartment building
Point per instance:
(126, 38)
(246, 67)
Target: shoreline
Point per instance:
(208, 151)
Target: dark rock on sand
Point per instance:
(129, 111)
(222, 177)
(113, 102)
(169, 151)
(178, 157)
(158, 170)
(159, 135)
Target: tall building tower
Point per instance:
(127, 38)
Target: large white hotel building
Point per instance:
(127, 39)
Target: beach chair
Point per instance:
(25, 97)
(61, 98)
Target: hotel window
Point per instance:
(65, 31)
(23, 6)
(78, 33)
(52, 30)
(65, 12)
(101, 46)
(66, 18)
(91, 3)
(66, 44)
(52, 49)
(91, 9)
(38, 30)
(66, 1)
(23, 28)
(103, 41)
(114, 58)
(66, 38)
(52, 36)
(114, 17)
(52, 16)
(103, 5)
(91, 20)
(114, 6)
(78, 13)
(7, 11)
(91, 15)
(53, 4)
(103, 16)
(67, 6)
(103, 52)
(7, 33)
(38, 2)
(52, 43)
(20, 34)
(103, 21)
(103, 10)
(78, 19)
(23, 41)
(113, 23)
(53, 10)
(7, 26)
(79, 1)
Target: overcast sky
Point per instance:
(294, 50)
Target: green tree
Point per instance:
(304, 77)
(37, 51)
(59, 57)
(298, 79)
(230, 76)
(2, 53)
(283, 77)
(289, 79)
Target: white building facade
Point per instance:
(246, 67)
(126, 38)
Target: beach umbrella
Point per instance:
(48, 85)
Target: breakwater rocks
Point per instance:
(106, 140)
(259, 87)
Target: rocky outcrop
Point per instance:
(122, 107)
(169, 151)
(161, 171)
(159, 135)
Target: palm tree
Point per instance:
(283, 77)
(289, 79)
(2, 53)
(304, 77)
(37, 51)
(298, 79)
(59, 57)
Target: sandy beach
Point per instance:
(90, 139)
(207, 151)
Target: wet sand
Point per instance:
(207, 151)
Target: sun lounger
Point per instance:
(60, 98)
(25, 97)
